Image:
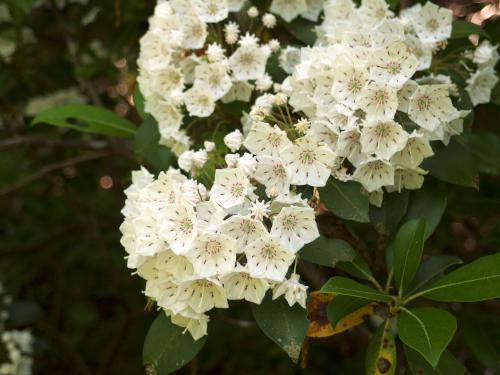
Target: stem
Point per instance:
(411, 298)
(389, 280)
(376, 283)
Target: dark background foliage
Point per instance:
(61, 193)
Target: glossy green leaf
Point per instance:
(482, 334)
(327, 252)
(357, 268)
(427, 203)
(139, 102)
(427, 330)
(464, 29)
(385, 219)
(148, 149)
(346, 287)
(453, 164)
(431, 270)
(86, 118)
(448, 364)
(345, 200)
(408, 248)
(167, 347)
(381, 356)
(341, 306)
(477, 281)
(285, 325)
(486, 149)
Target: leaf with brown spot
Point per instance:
(320, 326)
(381, 355)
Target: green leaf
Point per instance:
(167, 347)
(86, 118)
(486, 149)
(431, 270)
(477, 281)
(386, 218)
(381, 356)
(408, 248)
(347, 287)
(139, 102)
(427, 330)
(341, 306)
(357, 268)
(345, 200)
(463, 29)
(24, 5)
(285, 325)
(327, 252)
(303, 30)
(427, 203)
(448, 364)
(453, 164)
(482, 334)
(147, 148)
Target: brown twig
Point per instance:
(50, 168)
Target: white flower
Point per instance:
(178, 266)
(214, 77)
(248, 62)
(203, 294)
(235, 5)
(269, 20)
(266, 140)
(264, 83)
(379, 101)
(275, 46)
(430, 105)
(211, 11)
(480, 84)
(240, 285)
(294, 227)
(485, 55)
(393, 64)
(185, 160)
(314, 8)
(147, 241)
(200, 157)
(308, 162)
(199, 101)
(416, 150)
(375, 10)
(234, 140)
(422, 51)
(383, 138)
(432, 23)
(252, 12)
(194, 32)
(349, 81)
(178, 227)
(209, 146)
(247, 163)
(289, 58)
(212, 254)
(374, 173)
(232, 160)
(230, 187)
(294, 291)
(271, 172)
(210, 216)
(215, 53)
(259, 210)
(243, 229)
(405, 93)
(197, 326)
(410, 179)
(241, 90)
(349, 145)
(266, 258)
(288, 9)
(231, 32)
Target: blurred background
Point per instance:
(61, 193)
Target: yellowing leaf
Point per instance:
(381, 354)
(320, 326)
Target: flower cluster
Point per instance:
(370, 99)
(193, 56)
(197, 249)
(18, 344)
